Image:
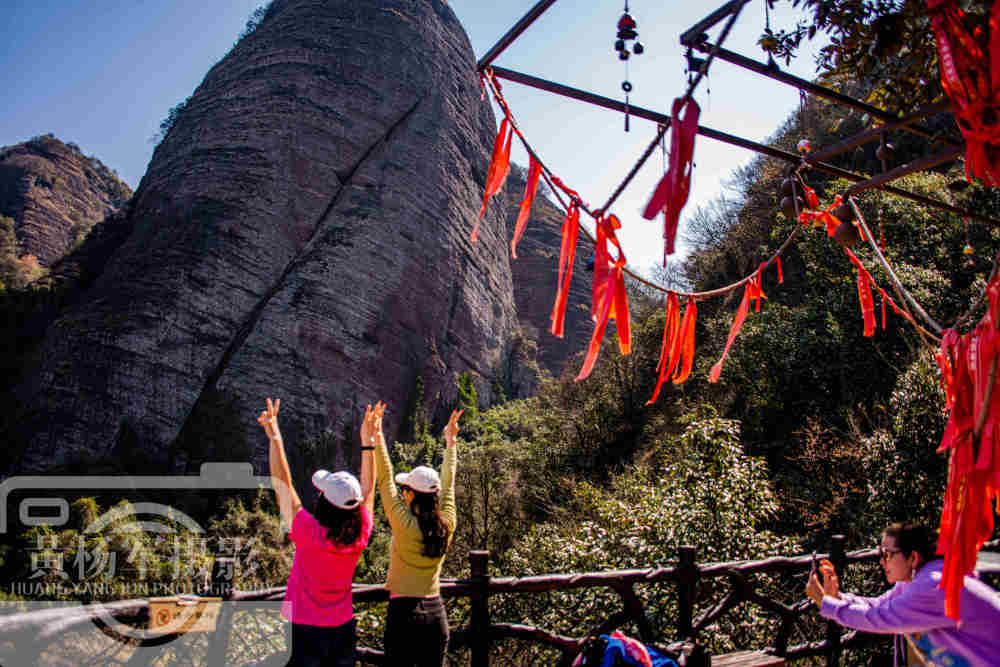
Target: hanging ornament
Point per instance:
(804, 146)
(626, 33)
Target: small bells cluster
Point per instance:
(626, 33)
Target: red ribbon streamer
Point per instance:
(781, 278)
(671, 193)
(864, 294)
(826, 216)
(534, 171)
(971, 79)
(567, 253)
(973, 466)
(609, 298)
(499, 166)
(752, 291)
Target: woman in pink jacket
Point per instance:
(328, 542)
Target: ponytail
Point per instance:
(432, 525)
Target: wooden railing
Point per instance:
(32, 633)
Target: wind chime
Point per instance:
(626, 33)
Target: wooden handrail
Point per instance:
(41, 626)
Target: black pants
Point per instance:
(315, 646)
(416, 632)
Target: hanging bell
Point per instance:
(626, 27)
(620, 45)
(623, 54)
(788, 187)
(788, 206)
(846, 234)
(884, 152)
(804, 146)
(638, 48)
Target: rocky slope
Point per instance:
(536, 274)
(302, 232)
(55, 195)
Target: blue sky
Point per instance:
(104, 73)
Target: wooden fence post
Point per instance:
(223, 573)
(687, 577)
(833, 629)
(480, 622)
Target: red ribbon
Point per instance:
(864, 294)
(499, 166)
(534, 171)
(609, 298)
(781, 278)
(752, 291)
(567, 253)
(973, 466)
(671, 193)
(826, 216)
(971, 79)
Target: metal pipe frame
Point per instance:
(862, 182)
(513, 33)
(772, 72)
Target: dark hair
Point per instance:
(912, 537)
(432, 526)
(343, 526)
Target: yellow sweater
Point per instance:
(411, 574)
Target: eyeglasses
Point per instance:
(885, 553)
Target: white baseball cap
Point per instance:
(421, 478)
(340, 488)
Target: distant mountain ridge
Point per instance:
(55, 195)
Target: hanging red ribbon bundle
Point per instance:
(609, 298)
(530, 187)
(567, 254)
(499, 166)
(751, 292)
(671, 193)
(968, 374)
(678, 344)
(864, 294)
(823, 217)
(970, 76)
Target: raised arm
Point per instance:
(288, 501)
(448, 510)
(371, 432)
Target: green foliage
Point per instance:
(699, 489)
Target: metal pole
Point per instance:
(513, 33)
(732, 140)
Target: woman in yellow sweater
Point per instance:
(422, 516)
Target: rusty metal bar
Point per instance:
(874, 133)
(920, 164)
(513, 33)
(809, 86)
(862, 180)
(690, 36)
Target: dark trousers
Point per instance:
(315, 646)
(416, 632)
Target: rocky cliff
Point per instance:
(55, 195)
(536, 275)
(302, 232)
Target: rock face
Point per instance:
(536, 275)
(55, 195)
(303, 233)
